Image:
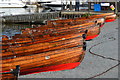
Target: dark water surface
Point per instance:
(12, 29)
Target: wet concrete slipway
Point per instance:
(91, 64)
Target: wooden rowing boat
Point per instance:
(111, 18)
(66, 54)
(42, 58)
(21, 41)
(62, 49)
(48, 61)
(108, 17)
(11, 75)
(92, 28)
(8, 77)
(97, 19)
(32, 34)
(56, 51)
(92, 31)
(35, 48)
(66, 27)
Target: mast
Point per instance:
(66, 4)
(116, 9)
(77, 4)
(70, 4)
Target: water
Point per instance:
(12, 29)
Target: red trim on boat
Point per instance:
(50, 68)
(110, 20)
(4, 71)
(102, 25)
(91, 37)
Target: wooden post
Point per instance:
(66, 4)
(89, 6)
(116, 9)
(77, 5)
(70, 5)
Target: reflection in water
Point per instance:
(12, 29)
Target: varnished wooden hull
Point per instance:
(55, 58)
(106, 16)
(91, 27)
(64, 49)
(109, 17)
(64, 53)
(44, 69)
(45, 58)
(8, 77)
(42, 47)
(95, 18)
(82, 27)
(27, 35)
(52, 68)
(18, 42)
(93, 31)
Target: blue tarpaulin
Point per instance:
(97, 7)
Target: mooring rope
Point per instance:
(112, 39)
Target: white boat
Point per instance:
(61, 3)
(44, 1)
(58, 3)
(11, 3)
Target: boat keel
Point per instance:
(110, 20)
(91, 37)
(50, 68)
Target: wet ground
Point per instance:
(93, 65)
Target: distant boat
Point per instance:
(58, 3)
(64, 4)
(44, 1)
(55, 5)
(11, 3)
(59, 50)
